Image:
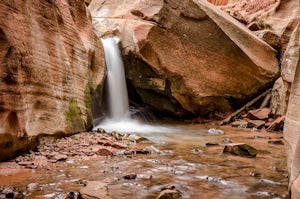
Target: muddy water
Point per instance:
(184, 161)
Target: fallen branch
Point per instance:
(249, 104)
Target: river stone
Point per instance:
(256, 124)
(214, 131)
(169, 194)
(276, 142)
(240, 149)
(175, 59)
(259, 114)
(240, 124)
(104, 152)
(95, 190)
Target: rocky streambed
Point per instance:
(187, 162)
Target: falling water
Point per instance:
(119, 115)
(117, 90)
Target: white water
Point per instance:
(117, 90)
(119, 115)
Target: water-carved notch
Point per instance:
(12, 125)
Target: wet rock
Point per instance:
(254, 129)
(227, 141)
(25, 163)
(104, 152)
(256, 124)
(32, 186)
(270, 182)
(240, 149)
(130, 176)
(119, 145)
(169, 194)
(153, 150)
(255, 174)
(277, 125)
(137, 138)
(276, 142)
(11, 193)
(141, 151)
(240, 124)
(168, 186)
(94, 190)
(259, 114)
(116, 135)
(214, 131)
(261, 137)
(145, 176)
(71, 195)
(60, 157)
(197, 151)
(211, 144)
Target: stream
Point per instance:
(184, 161)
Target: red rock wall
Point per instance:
(50, 61)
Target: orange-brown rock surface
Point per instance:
(292, 123)
(50, 63)
(186, 56)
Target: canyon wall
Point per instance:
(51, 64)
(292, 122)
(277, 22)
(186, 58)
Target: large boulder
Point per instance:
(50, 63)
(186, 57)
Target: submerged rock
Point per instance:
(214, 131)
(104, 152)
(240, 124)
(94, 190)
(169, 194)
(130, 176)
(258, 124)
(276, 142)
(240, 149)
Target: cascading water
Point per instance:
(119, 115)
(117, 90)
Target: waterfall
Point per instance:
(119, 115)
(116, 82)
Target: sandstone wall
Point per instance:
(50, 63)
(292, 122)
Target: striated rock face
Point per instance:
(50, 63)
(289, 61)
(272, 20)
(292, 122)
(186, 57)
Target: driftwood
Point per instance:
(266, 100)
(249, 104)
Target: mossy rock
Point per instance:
(241, 150)
(73, 117)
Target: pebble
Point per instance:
(153, 150)
(130, 176)
(276, 142)
(265, 181)
(214, 131)
(227, 140)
